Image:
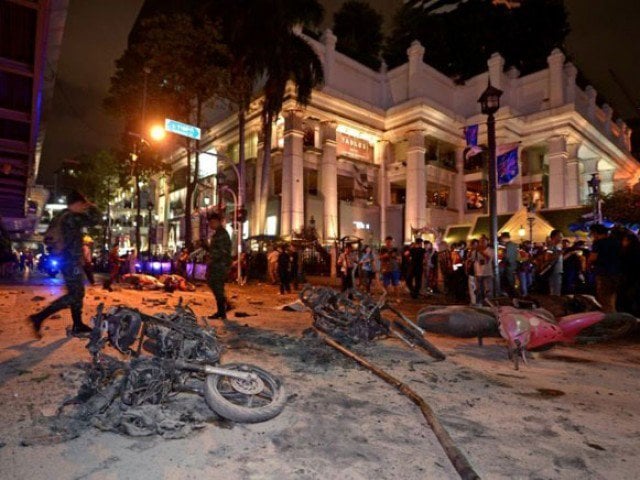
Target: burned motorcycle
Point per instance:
(353, 317)
(185, 358)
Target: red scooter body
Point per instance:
(533, 329)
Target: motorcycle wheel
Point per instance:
(245, 401)
(612, 326)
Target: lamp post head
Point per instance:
(490, 100)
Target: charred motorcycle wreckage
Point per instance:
(354, 317)
(145, 396)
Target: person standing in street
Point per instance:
(605, 258)
(346, 265)
(87, 259)
(555, 266)
(416, 262)
(509, 265)
(284, 270)
(469, 266)
(483, 267)
(219, 263)
(389, 265)
(79, 214)
(272, 265)
(367, 269)
(114, 264)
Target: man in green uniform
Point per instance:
(79, 214)
(219, 263)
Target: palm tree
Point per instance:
(285, 57)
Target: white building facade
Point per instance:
(379, 153)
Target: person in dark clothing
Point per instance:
(219, 263)
(605, 259)
(416, 269)
(79, 214)
(629, 292)
(284, 270)
(574, 269)
(509, 264)
(295, 258)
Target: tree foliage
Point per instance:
(98, 176)
(459, 42)
(359, 30)
(180, 61)
(622, 206)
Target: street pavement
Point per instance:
(571, 412)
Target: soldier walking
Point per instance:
(219, 263)
(79, 214)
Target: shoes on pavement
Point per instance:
(81, 330)
(36, 323)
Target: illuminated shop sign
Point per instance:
(353, 144)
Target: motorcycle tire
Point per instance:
(219, 392)
(612, 326)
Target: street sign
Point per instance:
(184, 129)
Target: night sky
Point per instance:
(605, 36)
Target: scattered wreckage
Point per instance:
(354, 317)
(526, 325)
(141, 396)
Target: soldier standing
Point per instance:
(80, 213)
(219, 263)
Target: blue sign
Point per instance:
(507, 164)
(184, 129)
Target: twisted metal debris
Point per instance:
(354, 317)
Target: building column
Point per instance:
(257, 181)
(572, 177)
(416, 182)
(384, 187)
(557, 156)
(415, 54)
(590, 166)
(329, 181)
(292, 207)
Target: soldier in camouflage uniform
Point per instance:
(79, 214)
(219, 263)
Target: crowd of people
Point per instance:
(608, 268)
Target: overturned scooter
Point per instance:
(536, 329)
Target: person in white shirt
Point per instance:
(483, 269)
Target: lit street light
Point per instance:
(489, 105)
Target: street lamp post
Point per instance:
(531, 219)
(490, 104)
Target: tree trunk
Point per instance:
(263, 194)
(192, 181)
(241, 167)
(188, 200)
(136, 178)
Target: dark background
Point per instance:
(604, 38)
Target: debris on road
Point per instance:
(353, 317)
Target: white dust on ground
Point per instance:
(571, 412)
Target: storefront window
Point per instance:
(533, 195)
(438, 196)
(476, 196)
